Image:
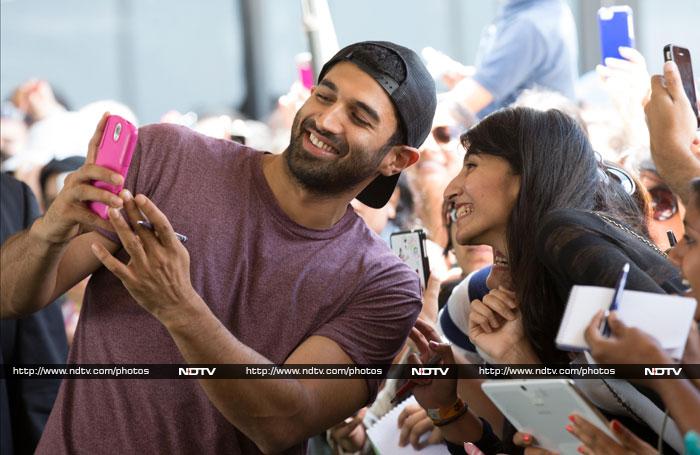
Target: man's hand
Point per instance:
(414, 424)
(158, 273)
(626, 345)
(69, 214)
(595, 441)
(432, 393)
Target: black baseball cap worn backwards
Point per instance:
(411, 89)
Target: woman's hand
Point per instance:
(528, 442)
(626, 345)
(495, 327)
(596, 441)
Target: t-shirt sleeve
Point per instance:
(518, 49)
(146, 163)
(374, 326)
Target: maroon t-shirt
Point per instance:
(272, 282)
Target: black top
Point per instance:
(25, 404)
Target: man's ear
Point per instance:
(399, 158)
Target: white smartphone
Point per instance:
(541, 407)
(410, 247)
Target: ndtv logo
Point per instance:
(196, 371)
(663, 371)
(429, 371)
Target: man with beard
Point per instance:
(278, 269)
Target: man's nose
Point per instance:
(331, 119)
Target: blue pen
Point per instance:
(617, 296)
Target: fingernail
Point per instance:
(569, 428)
(113, 213)
(580, 449)
(433, 344)
(94, 247)
(127, 194)
(140, 199)
(572, 418)
(116, 202)
(617, 426)
(116, 178)
(527, 438)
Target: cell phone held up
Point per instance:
(114, 152)
(681, 57)
(616, 30)
(410, 246)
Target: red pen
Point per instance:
(410, 384)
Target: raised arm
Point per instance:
(672, 133)
(41, 263)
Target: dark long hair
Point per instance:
(558, 169)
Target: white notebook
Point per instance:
(665, 317)
(384, 435)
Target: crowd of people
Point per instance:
(522, 190)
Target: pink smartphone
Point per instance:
(114, 152)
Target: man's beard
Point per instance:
(329, 177)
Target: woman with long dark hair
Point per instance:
(532, 188)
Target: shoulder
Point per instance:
(181, 139)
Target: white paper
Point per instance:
(667, 318)
(385, 433)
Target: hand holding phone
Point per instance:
(114, 152)
(681, 57)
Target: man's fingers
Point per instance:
(87, 193)
(112, 264)
(408, 411)
(419, 340)
(89, 172)
(428, 330)
(160, 222)
(592, 333)
(130, 241)
(96, 138)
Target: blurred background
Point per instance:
(157, 56)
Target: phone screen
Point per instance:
(682, 58)
(410, 247)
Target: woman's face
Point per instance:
(483, 195)
(687, 253)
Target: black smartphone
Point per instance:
(681, 56)
(410, 246)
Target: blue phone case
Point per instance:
(616, 29)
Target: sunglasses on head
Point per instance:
(663, 202)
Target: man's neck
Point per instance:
(303, 207)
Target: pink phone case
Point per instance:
(114, 152)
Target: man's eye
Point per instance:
(469, 165)
(322, 97)
(688, 240)
(359, 120)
